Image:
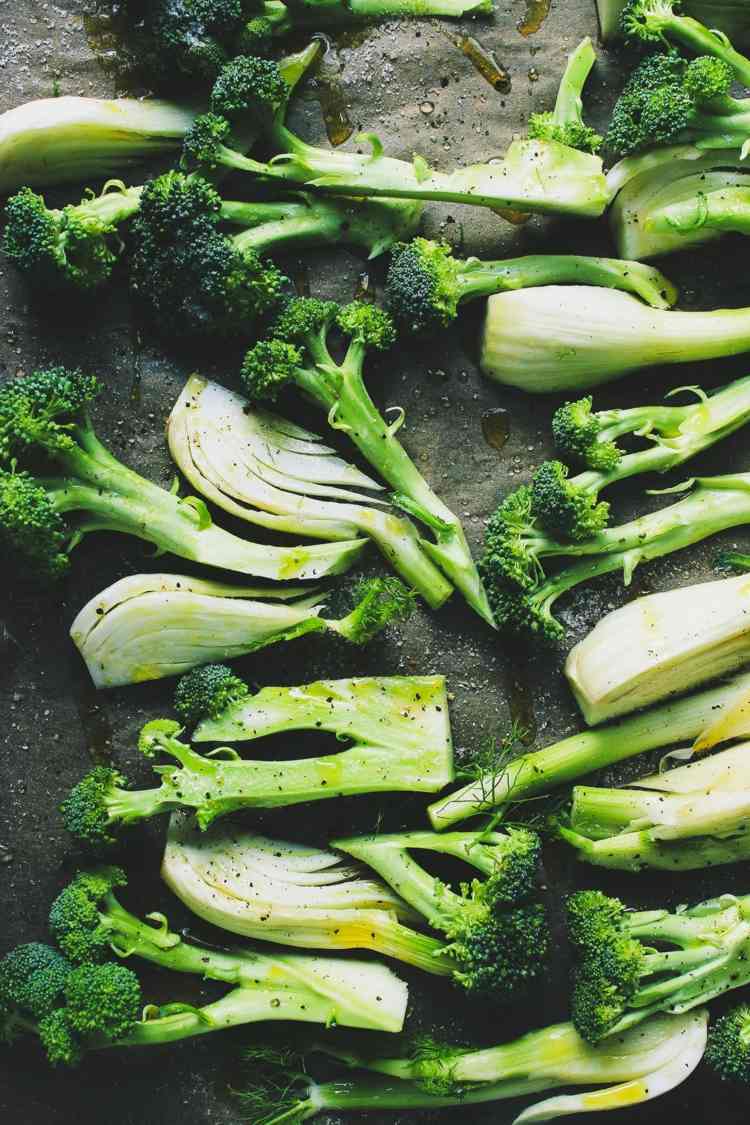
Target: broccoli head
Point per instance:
(366, 324)
(196, 37)
(203, 140)
(728, 1049)
(574, 134)
(39, 410)
(207, 691)
(576, 430)
(380, 601)
(30, 527)
(508, 544)
(33, 979)
(249, 85)
(422, 288)
(58, 1039)
(86, 809)
(563, 507)
(74, 917)
(498, 953)
(268, 367)
(102, 1001)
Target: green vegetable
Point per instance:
(728, 1049)
(297, 352)
(537, 174)
(43, 517)
(632, 964)
(426, 283)
(730, 16)
(701, 190)
(695, 816)
(150, 626)
(573, 337)
(498, 941)
(265, 470)
(400, 739)
(655, 21)
(643, 1064)
(540, 771)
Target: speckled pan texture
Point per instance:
(415, 86)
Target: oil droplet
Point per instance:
(427, 108)
(327, 88)
(364, 291)
(517, 218)
(534, 16)
(496, 427)
(485, 63)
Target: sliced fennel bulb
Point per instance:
(571, 337)
(661, 645)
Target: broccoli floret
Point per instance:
(75, 915)
(204, 139)
(206, 692)
(423, 288)
(509, 542)
(249, 85)
(577, 433)
(565, 124)
(87, 810)
(498, 954)
(31, 529)
(366, 325)
(728, 1049)
(566, 508)
(43, 410)
(59, 1040)
(193, 37)
(33, 979)
(707, 78)
(102, 1001)
(380, 601)
(268, 367)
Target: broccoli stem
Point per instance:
(634, 851)
(341, 391)
(688, 32)
(564, 761)
(727, 209)
(481, 279)
(568, 103)
(116, 498)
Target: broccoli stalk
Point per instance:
(497, 940)
(297, 352)
(293, 895)
(540, 771)
(89, 924)
(522, 598)
(47, 414)
(568, 506)
(564, 338)
(426, 283)
(655, 21)
(729, 16)
(126, 634)
(393, 724)
(728, 1048)
(537, 174)
(429, 1075)
(265, 470)
(631, 964)
(692, 817)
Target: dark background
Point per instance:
(416, 87)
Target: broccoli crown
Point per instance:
(562, 507)
(646, 19)
(30, 527)
(576, 429)
(204, 139)
(661, 98)
(367, 324)
(518, 612)
(257, 36)
(380, 602)
(574, 134)
(303, 318)
(74, 917)
(517, 864)
(498, 954)
(59, 1040)
(33, 979)
(196, 36)
(37, 410)
(610, 965)
(507, 556)
(54, 248)
(102, 1001)
(188, 274)
(268, 367)
(85, 810)
(422, 289)
(728, 1048)
(249, 84)
(206, 692)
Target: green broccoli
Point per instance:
(206, 691)
(426, 283)
(655, 21)
(296, 351)
(728, 1049)
(43, 517)
(631, 964)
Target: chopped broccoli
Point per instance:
(297, 352)
(422, 1073)
(42, 518)
(426, 283)
(77, 246)
(632, 964)
(728, 1049)
(392, 722)
(655, 21)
